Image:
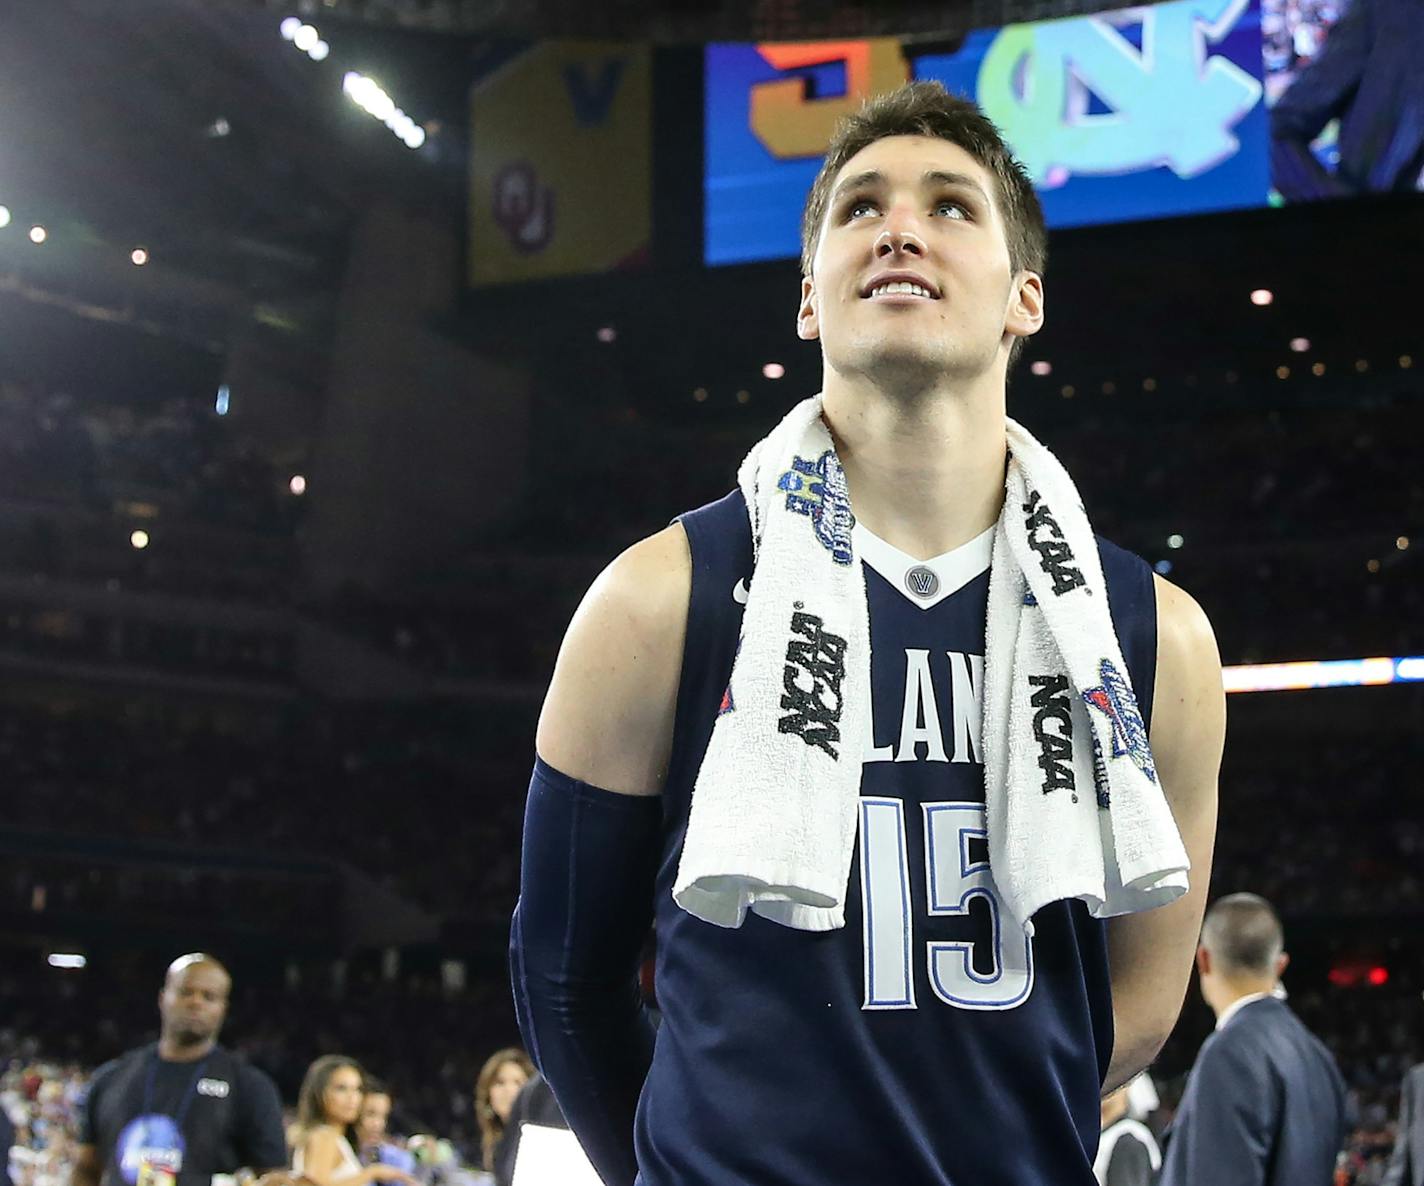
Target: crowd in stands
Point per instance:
(429, 1042)
(77, 475)
(426, 801)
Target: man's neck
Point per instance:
(1239, 991)
(171, 1050)
(926, 474)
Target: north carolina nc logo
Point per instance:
(1115, 698)
(817, 489)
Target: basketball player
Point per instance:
(769, 1066)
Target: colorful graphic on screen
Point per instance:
(1139, 113)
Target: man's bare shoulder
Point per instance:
(1189, 711)
(608, 715)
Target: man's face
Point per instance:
(921, 206)
(375, 1112)
(193, 1003)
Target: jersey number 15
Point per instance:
(993, 969)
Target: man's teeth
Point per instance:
(899, 286)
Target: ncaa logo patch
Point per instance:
(817, 489)
(1115, 699)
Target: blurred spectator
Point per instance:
(186, 1106)
(1127, 1151)
(373, 1144)
(1406, 1161)
(328, 1108)
(501, 1078)
(535, 1104)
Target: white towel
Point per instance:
(1074, 809)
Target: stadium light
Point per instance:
(319, 51)
(1262, 296)
(1300, 345)
(773, 370)
(66, 959)
(607, 334)
(4, 216)
(1175, 541)
(139, 539)
(298, 484)
(1323, 673)
(38, 234)
(368, 95)
(139, 257)
(1042, 367)
(305, 38)
(224, 400)
(289, 27)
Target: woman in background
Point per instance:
(504, 1073)
(328, 1107)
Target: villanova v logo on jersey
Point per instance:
(817, 489)
(815, 668)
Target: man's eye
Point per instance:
(963, 213)
(862, 204)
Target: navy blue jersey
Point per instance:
(926, 1042)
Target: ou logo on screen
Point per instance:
(154, 1139)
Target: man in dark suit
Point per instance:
(1368, 75)
(1406, 1163)
(1265, 1103)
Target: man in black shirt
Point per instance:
(183, 1111)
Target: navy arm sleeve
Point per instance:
(586, 884)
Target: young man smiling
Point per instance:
(781, 1057)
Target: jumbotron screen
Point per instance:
(1179, 108)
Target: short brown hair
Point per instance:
(927, 109)
(1244, 935)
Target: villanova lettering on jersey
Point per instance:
(817, 489)
(1054, 554)
(817, 657)
(1053, 706)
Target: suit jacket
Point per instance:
(1264, 1106)
(1368, 75)
(1406, 1163)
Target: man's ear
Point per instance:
(1025, 315)
(808, 322)
(1203, 960)
(1282, 962)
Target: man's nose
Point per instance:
(898, 237)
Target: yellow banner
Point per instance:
(561, 162)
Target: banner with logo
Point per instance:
(1138, 113)
(561, 162)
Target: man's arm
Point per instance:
(1150, 954)
(1398, 1172)
(261, 1137)
(592, 841)
(608, 715)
